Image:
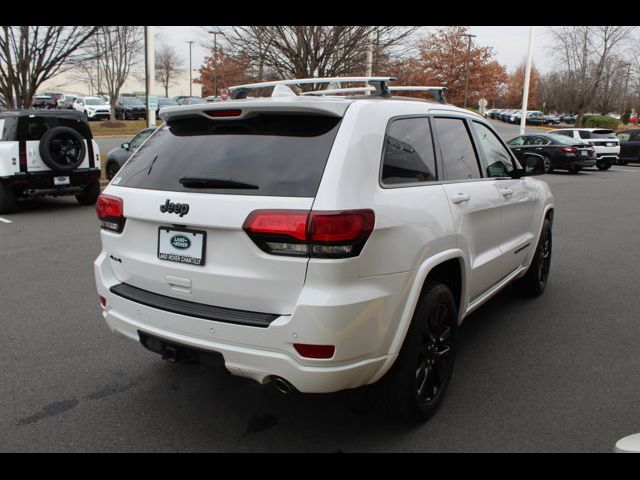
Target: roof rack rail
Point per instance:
(439, 92)
(379, 84)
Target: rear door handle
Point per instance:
(506, 192)
(460, 197)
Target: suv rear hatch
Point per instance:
(195, 182)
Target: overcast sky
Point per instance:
(509, 43)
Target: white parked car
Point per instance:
(94, 108)
(604, 141)
(47, 153)
(320, 243)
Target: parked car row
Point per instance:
(127, 106)
(534, 117)
(573, 149)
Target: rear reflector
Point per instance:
(110, 212)
(103, 301)
(315, 351)
(335, 234)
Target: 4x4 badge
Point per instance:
(169, 207)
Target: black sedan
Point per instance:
(629, 145)
(559, 152)
(130, 108)
(118, 156)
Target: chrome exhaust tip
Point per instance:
(283, 386)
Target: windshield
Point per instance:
(95, 101)
(131, 101)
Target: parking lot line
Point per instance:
(618, 169)
(4, 220)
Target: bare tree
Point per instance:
(583, 54)
(30, 55)
(308, 51)
(116, 49)
(167, 63)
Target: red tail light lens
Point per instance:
(568, 149)
(338, 234)
(22, 154)
(110, 212)
(315, 351)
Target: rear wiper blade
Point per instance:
(204, 182)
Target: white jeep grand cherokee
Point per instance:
(320, 243)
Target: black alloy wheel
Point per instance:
(433, 365)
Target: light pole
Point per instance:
(624, 97)
(149, 73)
(466, 68)
(190, 42)
(527, 77)
(215, 34)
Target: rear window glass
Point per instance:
(281, 155)
(596, 134)
(33, 128)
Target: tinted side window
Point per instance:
(499, 163)
(566, 133)
(516, 141)
(458, 156)
(408, 152)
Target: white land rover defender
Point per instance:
(320, 243)
(47, 152)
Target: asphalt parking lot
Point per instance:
(555, 374)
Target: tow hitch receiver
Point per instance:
(170, 352)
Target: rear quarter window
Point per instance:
(283, 155)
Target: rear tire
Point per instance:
(574, 169)
(8, 202)
(413, 389)
(535, 280)
(603, 165)
(90, 194)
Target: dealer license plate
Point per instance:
(59, 181)
(182, 246)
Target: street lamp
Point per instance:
(190, 42)
(215, 34)
(466, 69)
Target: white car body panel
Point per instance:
(362, 305)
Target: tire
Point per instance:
(90, 194)
(535, 280)
(603, 164)
(62, 149)
(573, 169)
(548, 168)
(413, 389)
(8, 203)
(112, 169)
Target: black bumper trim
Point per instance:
(193, 309)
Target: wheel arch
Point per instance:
(449, 267)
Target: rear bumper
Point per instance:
(357, 328)
(36, 182)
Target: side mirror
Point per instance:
(125, 145)
(533, 165)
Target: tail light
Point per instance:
(22, 154)
(110, 212)
(318, 234)
(568, 149)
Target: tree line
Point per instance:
(597, 68)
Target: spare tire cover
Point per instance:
(62, 149)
